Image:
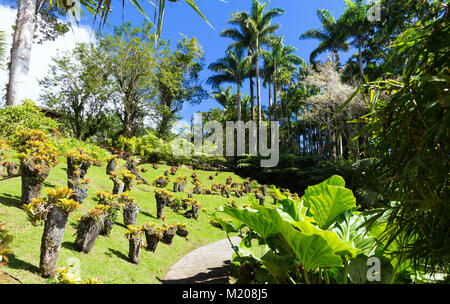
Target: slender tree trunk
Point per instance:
(270, 100)
(21, 51)
(239, 103)
(360, 61)
(258, 90)
(275, 92)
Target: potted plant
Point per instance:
(153, 235)
(78, 163)
(37, 156)
(168, 234)
(54, 211)
(112, 164)
(134, 236)
(182, 230)
(161, 181)
(110, 200)
(130, 208)
(89, 227)
(162, 197)
(114, 176)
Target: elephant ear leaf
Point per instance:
(338, 245)
(253, 219)
(294, 208)
(328, 200)
(379, 269)
(312, 250)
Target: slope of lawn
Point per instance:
(108, 259)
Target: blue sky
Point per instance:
(300, 15)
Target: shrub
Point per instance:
(5, 240)
(24, 117)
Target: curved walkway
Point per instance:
(207, 264)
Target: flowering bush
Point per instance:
(34, 149)
(5, 240)
(38, 209)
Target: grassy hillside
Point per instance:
(108, 259)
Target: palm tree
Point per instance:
(255, 30)
(332, 37)
(227, 100)
(354, 22)
(279, 58)
(231, 69)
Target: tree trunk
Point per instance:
(21, 51)
(360, 61)
(87, 232)
(258, 91)
(130, 213)
(239, 103)
(168, 235)
(134, 253)
(54, 228)
(270, 101)
(32, 181)
(153, 239)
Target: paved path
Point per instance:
(207, 264)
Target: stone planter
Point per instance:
(54, 228)
(181, 187)
(175, 186)
(168, 235)
(87, 232)
(130, 213)
(32, 181)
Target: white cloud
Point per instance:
(41, 54)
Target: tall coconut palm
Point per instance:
(233, 68)
(332, 38)
(227, 100)
(254, 31)
(354, 22)
(279, 57)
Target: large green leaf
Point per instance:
(339, 246)
(358, 270)
(312, 250)
(295, 209)
(350, 228)
(253, 219)
(329, 199)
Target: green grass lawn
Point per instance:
(108, 259)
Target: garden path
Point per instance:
(207, 264)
